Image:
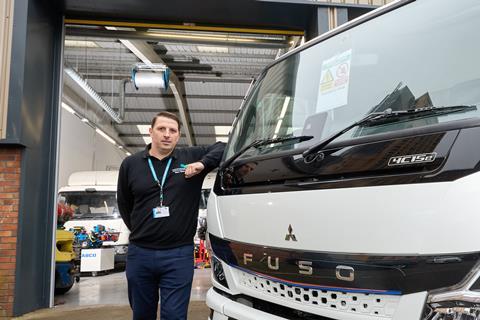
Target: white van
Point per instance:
(92, 196)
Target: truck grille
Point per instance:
(382, 306)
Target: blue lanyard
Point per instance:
(165, 173)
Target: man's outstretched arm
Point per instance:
(210, 159)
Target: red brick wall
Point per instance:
(9, 199)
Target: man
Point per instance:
(158, 197)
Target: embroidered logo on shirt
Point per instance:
(181, 169)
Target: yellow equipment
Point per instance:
(64, 246)
(65, 270)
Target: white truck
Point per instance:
(349, 188)
(92, 196)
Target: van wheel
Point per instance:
(63, 290)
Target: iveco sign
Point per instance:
(412, 159)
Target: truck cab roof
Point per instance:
(98, 180)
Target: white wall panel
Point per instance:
(81, 148)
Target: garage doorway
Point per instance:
(105, 116)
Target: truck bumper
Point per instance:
(223, 308)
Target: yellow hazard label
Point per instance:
(326, 82)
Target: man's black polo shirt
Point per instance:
(138, 194)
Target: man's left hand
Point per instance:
(193, 169)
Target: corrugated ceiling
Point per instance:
(216, 77)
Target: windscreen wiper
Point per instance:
(262, 142)
(392, 116)
(387, 116)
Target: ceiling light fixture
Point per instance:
(80, 44)
(212, 49)
(219, 35)
(222, 130)
(147, 140)
(202, 37)
(68, 108)
(106, 136)
(120, 28)
(143, 128)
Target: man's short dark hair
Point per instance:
(166, 114)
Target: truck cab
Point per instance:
(349, 185)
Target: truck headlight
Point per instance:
(218, 273)
(458, 302)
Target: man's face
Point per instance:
(165, 134)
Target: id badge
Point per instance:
(161, 212)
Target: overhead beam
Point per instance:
(372, 4)
(80, 51)
(183, 27)
(155, 36)
(139, 145)
(139, 135)
(197, 124)
(217, 79)
(187, 79)
(223, 70)
(178, 89)
(166, 95)
(100, 62)
(213, 111)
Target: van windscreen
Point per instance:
(91, 205)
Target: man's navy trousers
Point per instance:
(170, 270)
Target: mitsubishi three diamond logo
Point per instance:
(290, 235)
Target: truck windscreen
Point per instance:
(326, 87)
(91, 205)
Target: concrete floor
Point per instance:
(105, 296)
(112, 289)
(197, 310)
